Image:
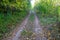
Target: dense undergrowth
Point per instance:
(11, 13)
(48, 12)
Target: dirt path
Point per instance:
(38, 29)
(30, 29)
(33, 30)
(17, 35)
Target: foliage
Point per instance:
(11, 13)
(49, 13)
(46, 8)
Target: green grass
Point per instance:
(31, 17)
(26, 33)
(8, 22)
(47, 21)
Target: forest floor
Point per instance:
(30, 29)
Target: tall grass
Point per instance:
(8, 22)
(48, 12)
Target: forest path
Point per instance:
(30, 29)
